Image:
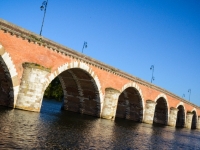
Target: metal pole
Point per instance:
(189, 93)
(152, 68)
(44, 4)
(84, 46)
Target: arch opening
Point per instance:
(80, 92)
(180, 121)
(194, 120)
(161, 112)
(6, 86)
(54, 90)
(130, 105)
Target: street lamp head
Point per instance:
(85, 44)
(41, 8)
(152, 67)
(44, 4)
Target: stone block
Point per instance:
(149, 112)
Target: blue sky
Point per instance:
(130, 35)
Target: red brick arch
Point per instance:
(162, 95)
(135, 86)
(80, 65)
(194, 126)
(194, 110)
(182, 104)
(10, 67)
(178, 122)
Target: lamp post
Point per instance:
(84, 46)
(44, 6)
(189, 93)
(152, 77)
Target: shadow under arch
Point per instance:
(130, 103)
(180, 121)
(81, 88)
(194, 119)
(161, 110)
(9, 82)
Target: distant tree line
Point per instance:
(54, 90)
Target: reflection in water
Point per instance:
(55, 129)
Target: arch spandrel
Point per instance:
(79, 65)
(135, 86)
(12, 72)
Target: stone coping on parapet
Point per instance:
(37, 39)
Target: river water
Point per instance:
(56, 129)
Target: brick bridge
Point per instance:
(30, 62)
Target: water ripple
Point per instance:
(55, 129)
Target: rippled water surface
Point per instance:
(55, 129)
